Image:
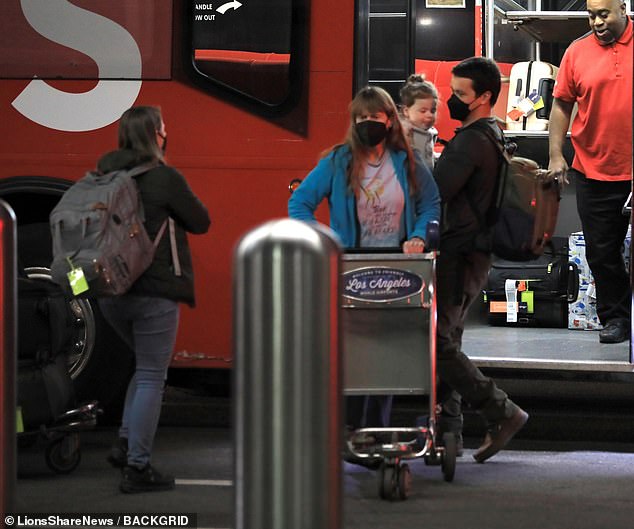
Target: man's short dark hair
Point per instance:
(484, 74)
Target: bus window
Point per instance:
(250, 48)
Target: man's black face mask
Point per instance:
(458, 109)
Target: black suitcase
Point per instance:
(45, 334)
(45, 391)
(45, 321)
(45, 395)
(539, 290)
(48, 418)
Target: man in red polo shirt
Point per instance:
(596, 73)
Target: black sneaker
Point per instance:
(615, 331)
(146, 479)
(118, 456)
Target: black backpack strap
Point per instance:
(500, 147)
(486, 130)
(136, 171)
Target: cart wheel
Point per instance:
(387, 481)
(63, 455)
(448, 457)
(404, 482)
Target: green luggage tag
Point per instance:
(77, 279)
(528, 298)
(19, 423)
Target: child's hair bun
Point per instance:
(416, 87)
(416, 78)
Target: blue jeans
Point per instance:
(148, 325)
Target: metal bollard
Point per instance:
(8, 374)
(287, 378)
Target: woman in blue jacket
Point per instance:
(379, 194)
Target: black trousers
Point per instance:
(604, 227)
(459, 281)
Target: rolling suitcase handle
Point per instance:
(432, 237)
(573, 282)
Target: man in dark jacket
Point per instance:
(466, 175)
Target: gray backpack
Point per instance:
(100, 246)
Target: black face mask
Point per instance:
(370, 132)
(164, 146)
(458, 109)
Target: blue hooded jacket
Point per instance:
(329, 179)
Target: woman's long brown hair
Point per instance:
(370, 100)
(137, 131)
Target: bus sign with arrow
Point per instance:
(204, 11)
(228, 5)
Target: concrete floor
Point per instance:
(544, 348)
(523, 487)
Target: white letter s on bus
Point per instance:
(103, 40)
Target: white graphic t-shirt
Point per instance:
(380, 206)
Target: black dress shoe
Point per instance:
(615, 331)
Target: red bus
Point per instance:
(251, 93)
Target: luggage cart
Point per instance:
(61, 438)
(389, 348)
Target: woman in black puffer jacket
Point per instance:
(146, 317)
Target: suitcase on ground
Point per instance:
(530, 95)
(45, 335)
(47, 415)
(535, 293)
(45, 391)
(45, 321)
